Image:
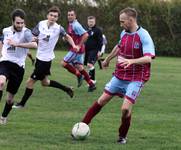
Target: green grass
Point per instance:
(47, 120)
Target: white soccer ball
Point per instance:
(80, 131)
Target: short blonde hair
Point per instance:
(131, 12)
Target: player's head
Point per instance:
(18, 19)
(91, 21)
(128, 18)
(53, 14)
(71, 15)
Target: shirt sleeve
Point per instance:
(100, 39)
(36, 30)
(121, 35)
(62, 32)
(1, 38)
(104, 40)
(78, 29)
(28, 35)
(147, 44)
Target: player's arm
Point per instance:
(22, 45)
(83, 39)
(79, 30)
(111, 56)
(142, 60)
(69, 39)
(104, 42)
(99, 41)
(28, 43)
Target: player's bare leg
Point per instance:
(125, 121)
(2, 84)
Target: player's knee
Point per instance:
(44, 83)
(90, 65)
(29, 83)
(80, 67)
(2, 84)
(63, 64)
(103, 100)
(9, 101)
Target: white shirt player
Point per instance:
(15, 54)
(47, 39)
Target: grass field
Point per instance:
(47, 120)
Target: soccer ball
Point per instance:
(80, 131)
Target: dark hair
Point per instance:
(73, 11)
(18, 13)
(91, 17)
(54, 9)
(131, 12)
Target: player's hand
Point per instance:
(98, 54)
(35, 39)
(11, 43)
(126, 63)
(105, 64)
(76, 48)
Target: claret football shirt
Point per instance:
(132, 46)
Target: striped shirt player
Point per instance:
(75, 30)
(73, 61)
(131, 46)
(134, 54)
(47, 33)
(17, 39)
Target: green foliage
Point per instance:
(160, 17)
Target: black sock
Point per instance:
(7, 109)
(55, 84)
(27, 94)
(92, 74)
(1, 94)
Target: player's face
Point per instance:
(52, 17)
(91, 22)
(18, 24)
(71, 16)
(124, 21)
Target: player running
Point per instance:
(73, 61)
(17, 39)
(47, 33)
(134, 54)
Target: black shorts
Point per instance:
(90, 57)
(42, 69)
(14, 74)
